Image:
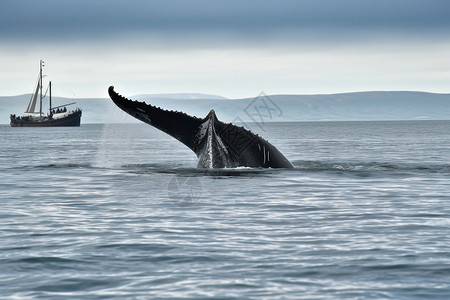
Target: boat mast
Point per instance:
(40, 78)
(50, 89)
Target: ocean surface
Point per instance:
(121, 212)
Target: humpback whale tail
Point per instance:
(216, 144)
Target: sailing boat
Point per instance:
(57, 115)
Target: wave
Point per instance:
(357, 168)
(193, 171)
(52, 166)
(371, 168)
(360, 169)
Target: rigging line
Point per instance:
(37, 82)
(45, 94)
(33, 94)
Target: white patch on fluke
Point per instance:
(214, 153)
(264, 153)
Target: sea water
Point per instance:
(121, 212)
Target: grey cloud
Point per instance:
(198, 19)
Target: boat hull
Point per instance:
(72, 119)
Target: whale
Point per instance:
(216, 144)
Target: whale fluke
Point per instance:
(216, 144)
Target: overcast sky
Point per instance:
(229, 48)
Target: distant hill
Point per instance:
(191, 96)
(279, 108)
(365, 106)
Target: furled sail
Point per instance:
(32, 104)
